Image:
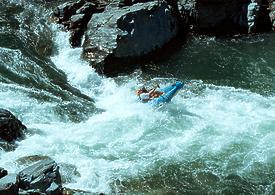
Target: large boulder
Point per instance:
(43, 176)
(128, 32)
(9, 184)
(10, 127)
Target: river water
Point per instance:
(216, 136)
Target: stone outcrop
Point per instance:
(129, 32)
(121, 33)
(10, 127)
(75, 16)
(9, 184)
(43, 176)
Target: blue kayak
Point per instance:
(169, 93)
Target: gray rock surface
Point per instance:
(10, 127)
(9, 185)
(129, 31)
(43, 175)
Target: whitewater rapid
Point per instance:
(130, 147)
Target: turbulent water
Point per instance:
(216, 136)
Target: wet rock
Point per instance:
(3, 172)
(54, 189)
(65, 11)
(128, 32)
(76, 37)
(88, 8)
(31, 159)
(69, 191)
(75, 15)
(30, 192)
(43, 176)
(220, 16)
(10, 127)
(123, 3)
(272, 13)
(69, 173)
(253, 11)
(9, 184)
(77, 21)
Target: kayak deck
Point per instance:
(169, 93)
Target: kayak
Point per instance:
(169, 92)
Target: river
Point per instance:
(216, 136)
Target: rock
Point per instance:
(9, 184)
(77, 21)
(3, 172)
(272, 13)
(253, 15)
(41, 176)
(69, 173)
(76, 37)
(65, 11)
(123, 3)
(10, 127)
(31, 159)
(69, 191)
(30, 192)
(54, 189)
(221, 16)
(128, 32)
(87, 9)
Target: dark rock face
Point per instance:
(129, 32)
(75, 16)
(9, 184)
(43, 176)
(221, 16)
(253, 11)
(66, 10)
(227, 17)
(3, 172)
(272, 13)
(10, 127)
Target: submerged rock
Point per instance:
(43, 176)
(128, 32)
(10, 127)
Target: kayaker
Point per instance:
(147, 95)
